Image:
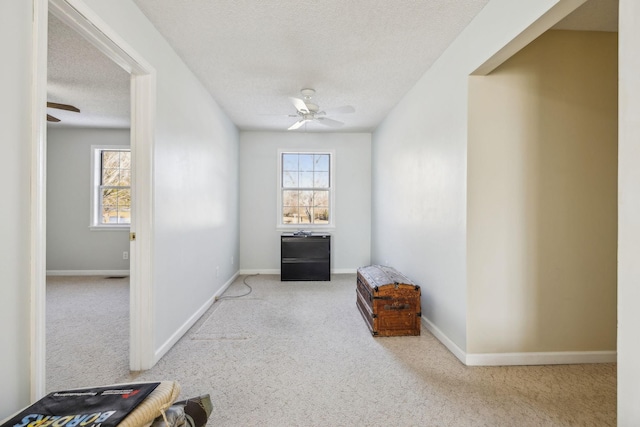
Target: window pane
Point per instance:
(305, 162)
(110, 159)
(116, 168)
(290, 215)
(320, 216)
(306, 180)
(110, 176)
(321, 162)
(289, 179)
(109, 214)
(125, 178)
(304, 215)
(290, 162)
(116, 206)
(125, 159)
(306, 198)
(109, 197)
(124, 198)
(290, 198)
(321, 180)
(321, 198)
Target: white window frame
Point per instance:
(332, 188)
(96, 173)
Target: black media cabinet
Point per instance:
(305, 256)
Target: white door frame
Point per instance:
(88, 24)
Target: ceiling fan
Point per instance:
(307, 111)
(58, 106)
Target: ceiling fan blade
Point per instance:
(297, 124)
(345, 109)
(50, 118)
(329, 122)
(62, 107)
(299, 104)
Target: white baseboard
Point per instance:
(164, 348)
(259, 271)
(344, 271)
(87, 272)
(520, 359)
(445, 340)
(224, 287)
(541, 358)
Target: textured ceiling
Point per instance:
(253, 55)
(80, 75)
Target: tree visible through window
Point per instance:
(114, 199)
(306, 186)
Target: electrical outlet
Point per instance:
(231, 260)
(217, 271)
(125, 255)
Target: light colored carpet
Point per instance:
(87, 331)
(299, 354)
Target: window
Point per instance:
(111, 187)
(305, 189)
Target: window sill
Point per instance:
(109, 227)
(313, 229)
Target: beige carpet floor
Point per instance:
(299, 354)
(87, 331)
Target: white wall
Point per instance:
(259, 237)
(195, 188)
(629, 215)
(71, 245)
(196, 180)
(15, 133)
(419, 164)
(542, 198)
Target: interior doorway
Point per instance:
(88, 25)
(88, 141)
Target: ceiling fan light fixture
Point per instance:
(313, 108)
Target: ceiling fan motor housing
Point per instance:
(308, 93)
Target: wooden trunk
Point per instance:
(388, 301)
